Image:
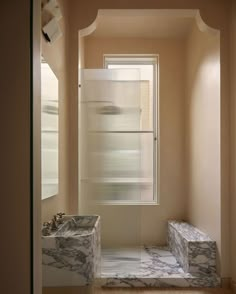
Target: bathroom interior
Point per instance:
(131, 165)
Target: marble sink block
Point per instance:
(193, 249)
(71, 255)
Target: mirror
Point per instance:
(49, 131)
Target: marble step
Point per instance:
(148, 266)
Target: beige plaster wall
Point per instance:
(148, 223)
(55, 56)
(203, 132)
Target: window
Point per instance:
(139, 147)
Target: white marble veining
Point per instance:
(148, 266)
(189, 232)
(193, 249)
(71, 255)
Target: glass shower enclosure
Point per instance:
(115, 166)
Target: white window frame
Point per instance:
(153, 60)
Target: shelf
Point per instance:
(115, 152)
(122, 132)
(142, 181)
(49, 131)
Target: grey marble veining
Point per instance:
(148, 266)
(71, 255)
(189, 232)
(193, 249)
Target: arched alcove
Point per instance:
(171, 34)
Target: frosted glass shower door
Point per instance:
(110, 125)
(111, 157)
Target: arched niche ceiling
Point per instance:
(145, 23)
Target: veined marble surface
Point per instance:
(72, 255)
(148, 266)
(189, 232)
(193, 249)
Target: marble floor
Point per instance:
(89, 290)
(148, 266)
(144, 261)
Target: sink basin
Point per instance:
(72, 253)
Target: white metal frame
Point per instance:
(152, 59)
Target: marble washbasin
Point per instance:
(71, 255)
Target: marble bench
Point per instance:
(193, 249)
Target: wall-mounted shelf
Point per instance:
(142, 181)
